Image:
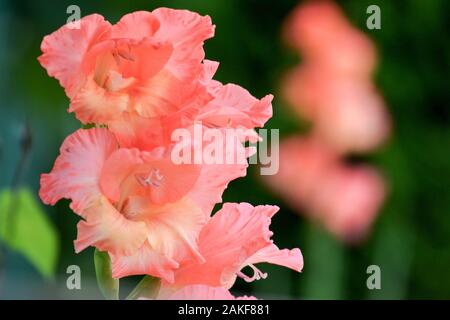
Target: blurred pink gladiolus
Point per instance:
(324, 36)
(333, 86)
(332, 89)
(345, 199)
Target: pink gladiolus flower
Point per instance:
(139, 206)
(143, 78)
(146, 75)
(134, 65)
(236, 236)
(202, 292)
(313, 181)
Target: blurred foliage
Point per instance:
(411, 238)
(25, 227)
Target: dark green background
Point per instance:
(411, 238)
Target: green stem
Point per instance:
(148, 288)
(324, 265)
(393, 254)
(108, 286)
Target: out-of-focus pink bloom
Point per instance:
(311, 179)
(236, 236)
(320, 30)
(348, 114)
(349, 201)
(146, 75)
(301, 90)
(139, 206)
(203, 292)
(304, 162)
(333, 87)
(352, 116)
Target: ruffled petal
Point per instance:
(94, 104)
(214, 178)
(116, 169)
(165, 95)
(175, 180)
(108, 230)
(234, 106)
(64, 50)
(187, 31)
(144, 261)
(77, 169)
(134, 131)
(291, 259)
(145, 59)
(174, 229)
(232, 235)
(136, 25)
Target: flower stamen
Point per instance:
(257, 274)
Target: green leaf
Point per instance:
(148, 288)
(24, 227)
(107, 284)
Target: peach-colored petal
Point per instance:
(186, 31)
(156, 98)
(209, 69)
(176, 180)
(64, 50)
(145, 261)
(292, 259)
(214, 178)
(202, 292)
(152, 175)
(171, 235)
(234, 106)
(136, 25)
(77, 169)
(232, 240)
(119, 165)
(108, 230)
(94, 104)
(134, 131)
(143, 60)
(173, 229)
